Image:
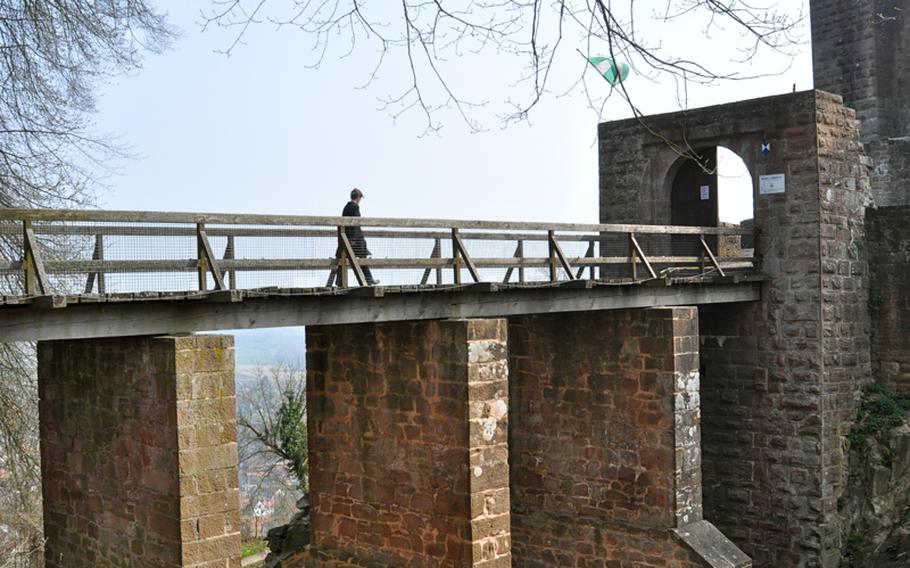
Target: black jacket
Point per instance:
(354, 234)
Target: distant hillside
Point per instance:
(268, 347)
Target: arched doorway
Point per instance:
(693, 200)
(713, 190)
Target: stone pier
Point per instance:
(605, 442)
(139, 453)
(408, 427)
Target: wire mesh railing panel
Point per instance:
(102, 253)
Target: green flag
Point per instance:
(612, 71)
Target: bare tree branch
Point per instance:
(426, 39)
(52, 57)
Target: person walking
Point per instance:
(355, 235)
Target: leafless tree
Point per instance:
(443, 44)
(53, 55)
(271, 420)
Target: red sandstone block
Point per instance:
(220, 549)
(486, 329)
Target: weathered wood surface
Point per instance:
(160, 313)
(248, 219)
(143, 247)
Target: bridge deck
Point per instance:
(149, 314)
(67, 274)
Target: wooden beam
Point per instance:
(519, 253)
(348, 251)
(97, 254)
(208, 257)
(272, 220)
(641, 255)
(459, 251)
(588, 254)
(435, 253)
(35, 278)
(229, 255)
(557, 254)
(707, 249)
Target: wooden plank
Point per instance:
(51, 301)
(289, 232)
(171, 315)
(482, 287)
(11, 266)
(228, 296)
(249, 219)
(286, 264)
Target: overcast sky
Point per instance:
(259, 132)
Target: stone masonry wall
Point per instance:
(889, 298)
(844, 193)
(138, 452)
(782, 377)
(859, 51)
(408, 429)
(604, 439)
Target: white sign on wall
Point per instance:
(705, 192)
(775, 183)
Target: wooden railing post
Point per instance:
(435, 253)
(201, 272)
(206, 260)
(557, 259)
(636, 252)
(35, 278)
(97, 254)
(520, 253)
(707, 250)
(588, 254)
(229, 254)
(456, 258)
(460, 254)
(28, 265)
(348, 256)
(551, 239)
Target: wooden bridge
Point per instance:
(69, 273)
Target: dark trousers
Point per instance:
(360, 251)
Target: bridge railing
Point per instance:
(68, 252)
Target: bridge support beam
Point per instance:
(408, 430)
(138, 452)
(605, 442)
